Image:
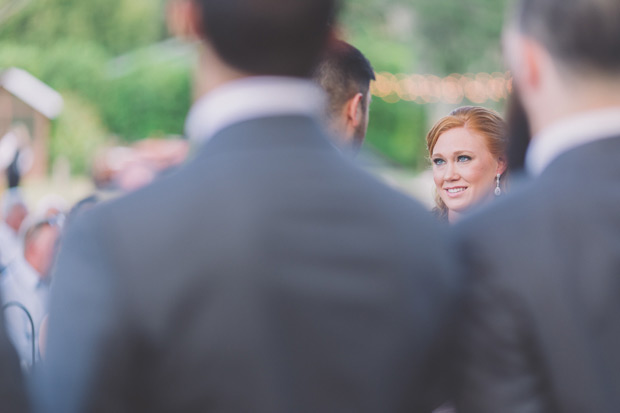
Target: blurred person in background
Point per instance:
(14, 211)
(541, 333)
(125, 169)
(345, 75)
(16, 155)
(268, 274)
(27, 283)
(467, 150)
(12, 390)
(52, 206)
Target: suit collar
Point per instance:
(284, 132)
(25, 275)
(569, 134)
(592, 161)
(252, 98)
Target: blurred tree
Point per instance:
(77, 134)
(67, 65)
(145, 102)
(461, 35)
(384, 31)
(396, 130)
(437, 37)
(116, 25)
(71, 45)
(427, 36)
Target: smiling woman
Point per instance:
(467, 150)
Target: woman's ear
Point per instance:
(502, 165)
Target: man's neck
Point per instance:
(573, 99)
(251, 98)
(212, 73)
(570, 132)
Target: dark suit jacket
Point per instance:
(267, 275)
(12, 392)
(542, 332)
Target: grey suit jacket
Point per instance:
(542, 332)
(267, 275)
(12, 391)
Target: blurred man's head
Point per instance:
(14, 209)
(265, 37)
(40, 246)
(565, 56)
(345, 74)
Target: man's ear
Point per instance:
(533, 57)
(185, 19)
(526, 58)
(355, 110)
(333, 36)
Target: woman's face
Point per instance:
(463, 169)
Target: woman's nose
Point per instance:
(451, 174)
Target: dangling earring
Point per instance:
(498, 190)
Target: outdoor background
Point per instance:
(123, 78)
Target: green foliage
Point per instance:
(74, 46)
(116, 25)
(397, 130)
(77, 133)
(383, 30)
(75, 69)
(150, 100)
(68, 64)
(462, 35)
(427, 37)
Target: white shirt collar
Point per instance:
(571, 133)
(25, 274)
(250, 98)
(7, 231)
(10, 245)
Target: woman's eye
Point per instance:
(463, 158)
(438, 161)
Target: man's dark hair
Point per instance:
(343, 72)
(268, 37)
(518, 133)
(584, 34)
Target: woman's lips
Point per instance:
(455, 191)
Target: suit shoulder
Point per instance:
(506, 245)
(384, 192)
(511, 214)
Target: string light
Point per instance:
(477, 88)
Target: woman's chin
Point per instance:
(461, 206)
